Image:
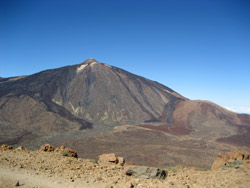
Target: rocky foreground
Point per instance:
(59, 167)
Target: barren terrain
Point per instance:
(150, 145)
(52, 169)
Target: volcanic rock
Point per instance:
(226, 159)
(70, 152)
(47, 148)
(21, 148)
(6, 147)
(146, 172)
(60, 148)
(121, 161)
(17, 184)
(110, 157)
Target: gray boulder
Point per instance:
(146, 172)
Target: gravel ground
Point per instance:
(36, 169)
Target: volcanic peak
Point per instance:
(89, 61)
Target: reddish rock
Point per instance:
(61, 148)
(238, 155)
(218, 163)
(47, 148)
(21, 148)
(71, 152)
(121, 161)
(110, 157)
(5, 147)
(225, 159)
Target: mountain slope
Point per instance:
(101, 93)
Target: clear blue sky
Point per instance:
(201, 49)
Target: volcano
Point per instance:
(93, 104)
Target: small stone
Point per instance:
(21, 148)
(121, 161)
(60, 148)
(98, 178)
(17, 184)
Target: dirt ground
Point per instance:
(36, 169)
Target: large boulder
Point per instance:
(110, 157)
(146, 172)
(227, 159)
